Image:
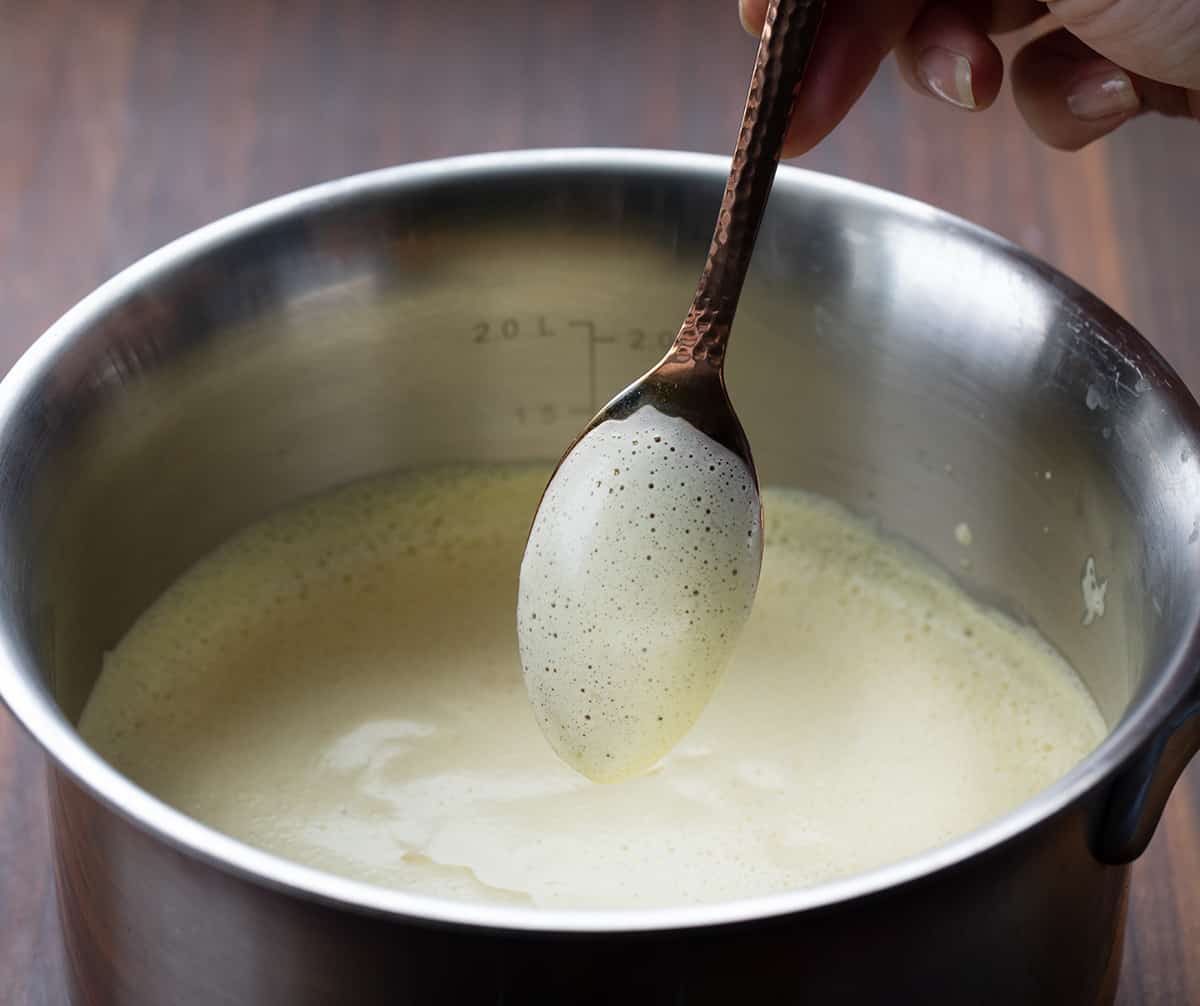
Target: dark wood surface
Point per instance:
(125, 123)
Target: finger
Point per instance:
(1070, 95)
(855, 37)
(753, 13)
(1159, 39)
(947, 56)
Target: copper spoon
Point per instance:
(630, 602)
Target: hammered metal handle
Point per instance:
(783, 51)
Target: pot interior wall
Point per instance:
(900, 362)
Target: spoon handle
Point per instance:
(787, 41)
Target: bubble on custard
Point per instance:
(639, 573)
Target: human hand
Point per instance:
(1103, 62)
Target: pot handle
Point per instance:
(1138, 794)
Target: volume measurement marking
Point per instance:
(510, 330)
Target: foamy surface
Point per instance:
(637, 579)
(341, 685)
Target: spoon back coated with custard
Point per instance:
(638, 576)
(643, 558)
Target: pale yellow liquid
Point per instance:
(340, 685)
(638, 578)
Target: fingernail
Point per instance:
(947, 75)
(1101, 95)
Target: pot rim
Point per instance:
(22, 691)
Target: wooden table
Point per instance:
(126, 123)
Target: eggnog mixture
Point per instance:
(340, 684)
(637, 580)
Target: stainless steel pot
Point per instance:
(888, 355)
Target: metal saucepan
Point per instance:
(888, 355)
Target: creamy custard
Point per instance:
(340, 684)
(636, 582)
